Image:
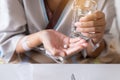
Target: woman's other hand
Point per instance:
(60, 45)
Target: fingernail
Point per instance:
(85, 44)
(76, 24)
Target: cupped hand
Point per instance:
(59, 44)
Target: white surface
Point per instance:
(59, 72)
(82, 72)
(7, 72)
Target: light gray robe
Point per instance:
(16, 16)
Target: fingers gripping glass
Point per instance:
(82, 8)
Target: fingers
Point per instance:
(76, 49)
(100, 22)
(73, 40)
(82, 41)
(92, 23)
(89, 30)
(75, 45)
(96, 37)
(95, 16)
(92, 35)
(57, 52)
(88, 24)
(95, 23)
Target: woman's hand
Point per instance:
(92, 25)
(60, 45)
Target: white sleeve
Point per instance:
(109, 10)
(12, 27)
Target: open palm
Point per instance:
(54, 42)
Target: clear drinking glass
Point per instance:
(81, 8)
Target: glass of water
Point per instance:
(81, 8)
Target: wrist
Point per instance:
(33, 40)
(96, 50)
(28, 42)
(41, 35)
(25, 44)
